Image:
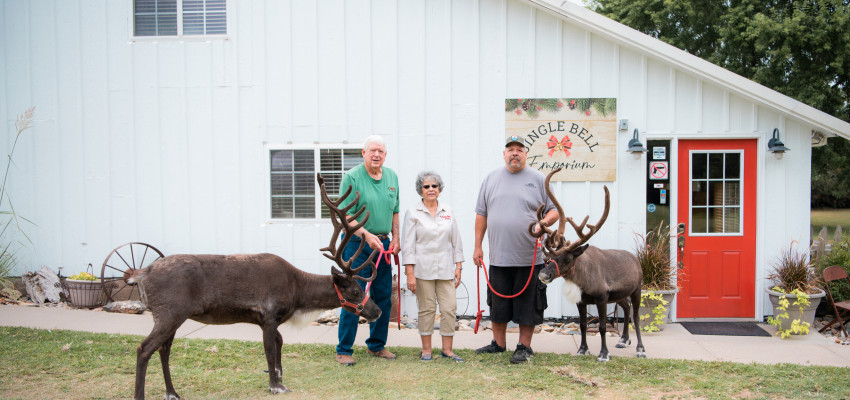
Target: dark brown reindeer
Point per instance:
(591, 275)
(261, 289)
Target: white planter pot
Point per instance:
(650, 304)
(793, 311)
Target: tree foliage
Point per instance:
(800, 48)
(831, 174)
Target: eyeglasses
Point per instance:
(430, 186)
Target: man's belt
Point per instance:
(381, 236)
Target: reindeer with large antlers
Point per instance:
(261, 289)
(591, 275)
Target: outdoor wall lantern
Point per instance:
(635, 146)
(775, 146)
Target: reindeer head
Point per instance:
(351, 296)
(561, 254)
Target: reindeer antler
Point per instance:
(341, 222)
(553, 240)
(555, 243)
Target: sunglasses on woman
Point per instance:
(430, 186)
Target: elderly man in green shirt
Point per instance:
(378, 187)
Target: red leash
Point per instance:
(386, 255)
(478, 292)
(486, 278)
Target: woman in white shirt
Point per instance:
(432, 254)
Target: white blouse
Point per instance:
(431, 243)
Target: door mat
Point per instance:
(725, 328)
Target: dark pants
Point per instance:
(525, 309)
(382, 288)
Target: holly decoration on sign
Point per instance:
(532, 107)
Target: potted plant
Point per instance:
(794, 292)
(659, 278)
(84, 290)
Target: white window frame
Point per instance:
(691, 192)
(180, 35)
(317, 148)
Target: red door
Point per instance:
(717, 203)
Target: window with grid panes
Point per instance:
(294, 190)
(716, 196)
(179, 17)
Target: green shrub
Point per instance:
(840, 255)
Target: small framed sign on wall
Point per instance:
(576, 134)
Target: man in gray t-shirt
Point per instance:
(507, 205)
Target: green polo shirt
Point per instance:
(380, 196)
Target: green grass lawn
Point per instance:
(42, 364)
(831, 218)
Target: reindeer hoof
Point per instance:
(171, 396)
(581, 352)
(641, 354)
(278, 389)
(604, 358)
(623, 344)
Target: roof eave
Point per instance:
(682, 60)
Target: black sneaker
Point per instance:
(493, 347)
(521, 354)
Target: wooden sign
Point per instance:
(576, 134)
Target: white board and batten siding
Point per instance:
(166, 140)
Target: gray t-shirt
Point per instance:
(509, 201)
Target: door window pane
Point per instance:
(733, 220)
(699, 164)
(733, 166)
(698, 220)
(699, 194)
(733, 194)
(715, 218)
(715, 166)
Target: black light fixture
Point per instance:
(635, 146)
(775, 146)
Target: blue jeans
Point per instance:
(382, 288)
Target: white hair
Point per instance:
(571, 291)
(376, 139)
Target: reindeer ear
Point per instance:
(580, 250)
(339, 277)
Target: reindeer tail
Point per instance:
(133, 276)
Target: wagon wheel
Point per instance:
(127, 257)
(462, 297)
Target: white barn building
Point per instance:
(179, 127)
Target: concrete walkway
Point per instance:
(675, 342)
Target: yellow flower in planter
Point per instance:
(83, 276)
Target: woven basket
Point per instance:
(85, 294)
